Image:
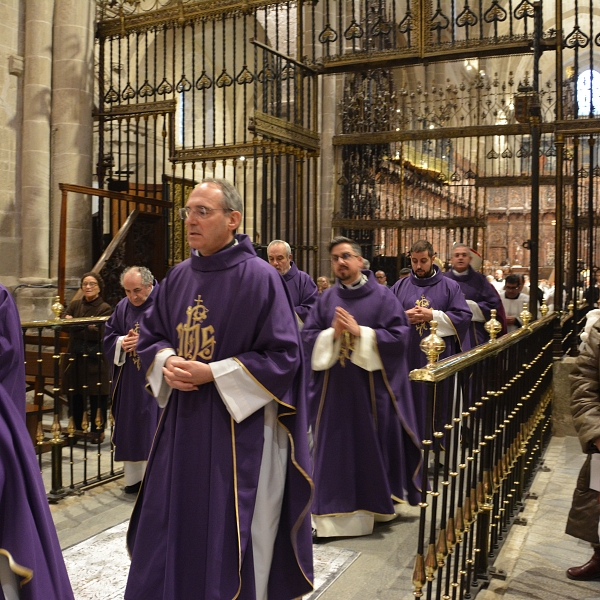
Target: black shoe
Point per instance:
(133, 489)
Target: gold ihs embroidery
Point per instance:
(423, 303)
(137, 361)
(196, 341)
(346, 347)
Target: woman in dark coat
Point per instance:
(584, 516)
(90, 371)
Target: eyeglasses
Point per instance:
(511, 288)
(380, 276)
(89, 284)
(200, 212)
(345, 257)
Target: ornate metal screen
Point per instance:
(201, 92)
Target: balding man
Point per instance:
(302, 288)
(133, 408)
(479, 293)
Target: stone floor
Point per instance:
(534, 556)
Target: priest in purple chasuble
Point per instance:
(480, 294)
(35, 568)
(426, 295)
(303, 290)
(366, 453)
(224, 507)
(134, 410)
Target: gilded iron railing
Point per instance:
(49, 416)
(482, 457)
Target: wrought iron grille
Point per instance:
(218, 94)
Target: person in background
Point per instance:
(366, 453)
(381, 278)
(426, 295)
(300, 285)
(322, 284)
(134, 410)
(498, 281)
(479, 294)
(84, 370)
(513, 300)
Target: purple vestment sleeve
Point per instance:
(190, 533)
(302, 289)
(26, 527)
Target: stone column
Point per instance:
(35, 150)
(72, 127)
(329, 168)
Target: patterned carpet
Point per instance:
(98, 566)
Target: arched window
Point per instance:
(588, 93)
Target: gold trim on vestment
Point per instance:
(112, 399)
(373, 397)
(309, 480)
(162, 413)
(410, 432)
(356, 512)
(237, 509)
(17, 569)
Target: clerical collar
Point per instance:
(357, 284)
(428, 277)
(463, 274)
(233, 242)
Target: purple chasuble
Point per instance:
(134, 410)
(26, 527)
(303, 290)
(476, 287)
(189, 536)
(437, 293)
(366, 452)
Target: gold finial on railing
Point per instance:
(98, 420)
(39, 434)
(441, 547)
(450, 535)
(418, 577)
(432, 345)
(430, 563)
(56, 430)
(71, 427)
(525, 315)
(493, 326)
(570, 308)
(85, 422)
(57, 308)
(544, 308)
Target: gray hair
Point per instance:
(231, 197)
(147, 277)
(460, 245)
(288, 249)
